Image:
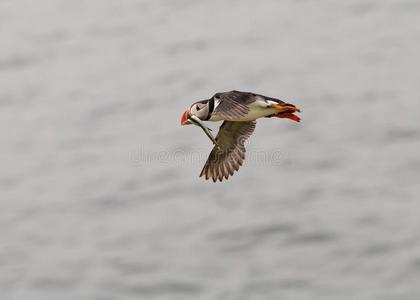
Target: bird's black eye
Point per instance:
(198, 108)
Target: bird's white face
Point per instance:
(198, 109)
(201, 110)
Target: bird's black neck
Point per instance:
(211, 107)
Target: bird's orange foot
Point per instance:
(285, 107)
(290, 116)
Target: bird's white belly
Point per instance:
(257, 110)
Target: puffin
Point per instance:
(239, 111)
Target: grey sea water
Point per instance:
(100, 195)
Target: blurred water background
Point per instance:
(100, 195)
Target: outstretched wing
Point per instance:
(228, 155)
(233, 104)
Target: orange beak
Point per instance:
(184, 119)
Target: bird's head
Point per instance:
(199, 109)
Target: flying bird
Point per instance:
(239, 110)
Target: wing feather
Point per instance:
(233, 105)
(227, 158)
